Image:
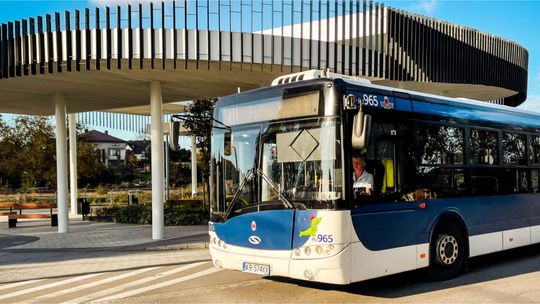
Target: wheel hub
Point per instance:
(447, 250)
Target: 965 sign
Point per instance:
(369, 100)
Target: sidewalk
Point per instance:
(32, 235)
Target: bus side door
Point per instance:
(385, 222)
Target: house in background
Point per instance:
(140, 149)
(112, 149)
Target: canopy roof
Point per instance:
(109, 68)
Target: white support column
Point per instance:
(167, 179)
(193, 165)
(61, 163)
(73, 162)
(156, 127)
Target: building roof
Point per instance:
(446, 59)
(97, 136)
(139, 146)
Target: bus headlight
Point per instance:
(329, 249)
(322, 251)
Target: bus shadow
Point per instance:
(7, 241)
(480, 269)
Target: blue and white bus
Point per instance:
(450, 179)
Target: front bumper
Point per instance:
(333, 269)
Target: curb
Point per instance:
(185, 246)
(200, 245)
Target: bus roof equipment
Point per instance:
(314, 74)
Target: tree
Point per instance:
(28, 156)
(182, 155)
(199, 122)
(90, 169)
(179, 174)
(7, 166)
(27, 152)
(93, 172)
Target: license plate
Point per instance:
(256, 268)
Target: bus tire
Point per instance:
(447, 248)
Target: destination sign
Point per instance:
(369, 100)
(270, 109)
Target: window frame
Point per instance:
(418, 152)
(526, 154)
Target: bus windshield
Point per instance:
(302, 159)
(272, 164)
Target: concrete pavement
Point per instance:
(93, 236)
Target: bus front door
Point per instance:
(384, 222)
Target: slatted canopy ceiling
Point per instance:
(123, 91)
(104, 58)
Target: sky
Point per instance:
(518, 21)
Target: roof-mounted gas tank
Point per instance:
(314, 74)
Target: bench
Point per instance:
(13, 216)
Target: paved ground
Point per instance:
(85, 235)
(117, 263)
(187, 276)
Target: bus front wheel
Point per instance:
(447, 252)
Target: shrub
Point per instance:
(97, 201)
(118, 198)
(106, 211)
(174, 216)
(181, 216)
(100, 189)
(144, 196)
(134, 214)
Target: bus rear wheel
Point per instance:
(447, 252)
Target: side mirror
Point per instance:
(360, 130)
(227, 143)
(174, 134)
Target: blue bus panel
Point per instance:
(259, 230)
(390, 225)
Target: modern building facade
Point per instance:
(165, 40)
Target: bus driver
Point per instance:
(362, 180)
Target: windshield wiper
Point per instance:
(285, 201)
(249, 175)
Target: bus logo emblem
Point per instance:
(255, 240)
(253, 226)
(312, 230)
(387, 104)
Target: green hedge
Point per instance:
(174, 216)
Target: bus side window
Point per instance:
(388, 177)
(534, 179)
(484, 185)
(373, 166)
(390, 157)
